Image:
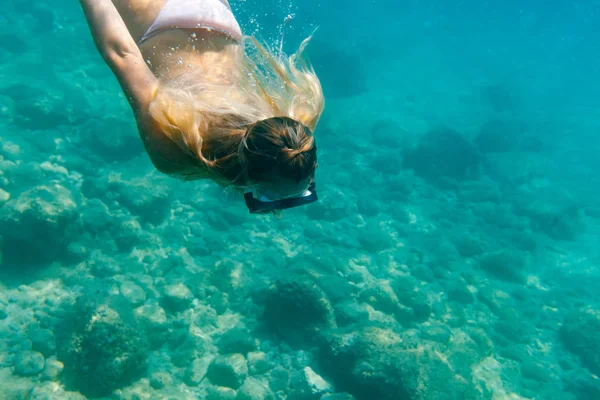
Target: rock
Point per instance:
(297, 309)
(499, 302)
(237, 340)
(506, 265)
(52, 369)
(97, 217)
(104, 268)
(380, 296)
(258, 363)
(307, 384)
(415, 305)
(44, 211)
(134, 294)
(101, 351)
(253, 389)
(127, 234)
(582, 383)
(197, 370)
(38, 109)
(222, 274)
(28, 363)
(437, 332)
(375, 238)
(112, 139)
(161, 379)
(279, 380)
(580, 333)
(221, 393)
(349, 313)
(177, 297)
(229, 371)
(484, 346)
(513, 330)
(377, 363)
(337, 396)
(154, 320)
(441, 154)
(52, 391)
(147, 197)
(566, 223)
(468, 245)
(42, 340)
(193, 347)
(459, 292)
(4, 197)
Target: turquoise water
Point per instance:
(454, 253)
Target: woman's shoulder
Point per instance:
(168, 157)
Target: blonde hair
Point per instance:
(209, 121)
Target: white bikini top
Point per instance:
(193, 14)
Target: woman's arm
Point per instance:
(120, 52)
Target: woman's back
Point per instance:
(181, 59)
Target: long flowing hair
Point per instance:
(209, 120)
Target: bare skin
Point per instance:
(167, 55)
(175, 52)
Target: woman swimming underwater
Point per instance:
(211, 103)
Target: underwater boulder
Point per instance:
(254, 389)
(100, 350)
(296, 310)
(237, 340)
(38, 108)
(12, 44)
(566, 223)
(580, 333)
(37, 227)
(508, 265)
(112, 139)
(228, 371)
(148, 197)
(443, 154)
(377, 363)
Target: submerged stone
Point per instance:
(28, 363)
(443, 153)
(258, 363)
(253, 389)
(196, 371)
(580, 333)
(229, 371)
(52, 369)
(506, 264)
(101, 352)
(307, 384)
(177, 297)
(221, 393)
(159, 380)
(48, 212)
(296, 309)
